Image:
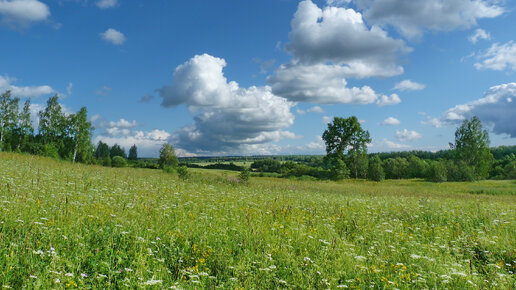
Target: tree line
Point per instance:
(469, 158)
(58, 135)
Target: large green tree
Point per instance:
(24, 128)
(167, 156)
(133, 153)
(472, 147)
(81, 131)
(345, 138)
(52, 123)
(8, 116)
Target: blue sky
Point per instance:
(264, 77)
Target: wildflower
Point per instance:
(69, 274)
(83, 275)
(33, 277)
(128, 269)
(153, 282)
(57, 280)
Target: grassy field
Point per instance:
(65, 225)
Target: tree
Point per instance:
(102, 151)
(472, 147)
(118, 161)
(81, 132)
(167, 157)
(133, 153)
(244, 175)
(182, 172)
(8, 115)
(52, 123)
(24, 127)
(116, 150)
(345, 137)
(375, 171)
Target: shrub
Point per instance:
(118, 161)
(375, 171)
(437, 172)
(244, 175)
(182, 172)
(50, 150)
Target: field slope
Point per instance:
(67, 225)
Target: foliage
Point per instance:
(345, 136)
(133, 153)
(437, 172)
(244, 175)
(472, 147)
(182, 172)
(167, 157)
(375, 171)
(118, 161)
(116, 150)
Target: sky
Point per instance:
(265, 77)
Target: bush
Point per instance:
(375, 171)
(437, 172)
(168, 169)
(106, 161)
(118, 161)
(182, 172)
(244, 175)
(50, 150)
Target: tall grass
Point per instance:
(69, 225)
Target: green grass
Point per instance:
(68, 225)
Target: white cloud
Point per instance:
(407, 135)
(499, 57)
(340, 36)
(113, 36)
(495, 110)
(21, 13)
(123, 123)
(105, 4)
(315, 109)
(479, 34)
(412, 18)
(147, 142)
(386, 144)
(327, 119)
(408, 85)
(385, 100)
(323, 84)
(24, 92)
(329, 45)
(69, 88)
(228, 119)
(391, 121)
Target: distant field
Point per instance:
(67, 225)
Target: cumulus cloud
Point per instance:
(24, 92)
(146, 99)
(391, 121)
(22, 13)
(408, 85)
(147, 142)
(122, 132)
(69, 88)
(412, 17)
(227, 118)
(323, 84)
(386, 144)
(123, 123)
(315, 109)
(499, 57)
(407, 135)
(385, 100)
(479, 34)
(105, 4)
(328, 46)
(496, 110)
(113, 36)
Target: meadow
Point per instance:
(66, 225)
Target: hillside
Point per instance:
(71, 225)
